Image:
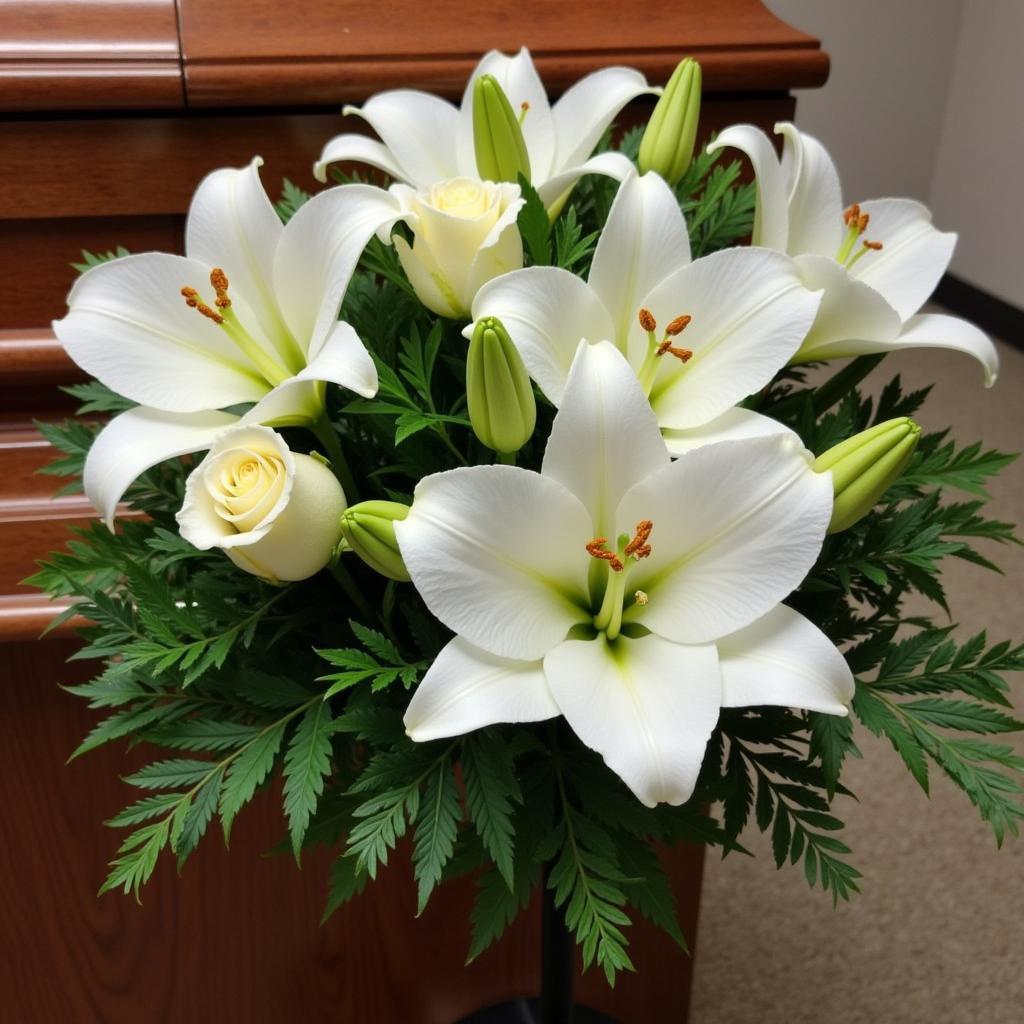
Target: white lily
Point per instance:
(745, 312)
(878, 261)
(249, 315)
(639, 641)
(425, 139)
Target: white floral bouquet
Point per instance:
(523, 525)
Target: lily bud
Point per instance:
(667, 145)
(501, 153)
(864, 466)
(369, 530)
(502, 408)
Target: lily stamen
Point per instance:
(596, 549)
(219, 280)
(678, 325)
(684, 355)
(638, 546)
(524, 109)
(647, 321)
(856, 224)
(193, 301)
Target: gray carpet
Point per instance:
(937, 935)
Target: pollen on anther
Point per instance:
(851, 213)
(596, 549)
(875, 246)
(641, 597)
(638, 546)
(647, 321)
(193, 301)
(862, 221)
(678, 325)
(684, 355)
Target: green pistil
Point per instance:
(271, 370)
(649, 368)
(849, 241)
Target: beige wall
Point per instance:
(978, 183)
(924, 100)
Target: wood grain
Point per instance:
(89, 54)
(235, 937)
(311, 51)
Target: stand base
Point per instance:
(527, 1011)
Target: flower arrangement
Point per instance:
(524, 524)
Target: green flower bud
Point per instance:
(667, 145)
(369, 530)
(501, 153)
(864, 466)
(502, 408)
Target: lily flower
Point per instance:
(728, 322)
(877, 261)
(424, 139)
(248, 315)
(633, 594)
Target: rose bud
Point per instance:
(274, 512)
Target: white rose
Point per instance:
(276, 513)
(464, 234)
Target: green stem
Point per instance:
(505, 458)
(354, 594)
(325, 433)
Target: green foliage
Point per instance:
(224, 676)
(292, 198)
(94, 259)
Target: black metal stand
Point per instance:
(557, 967)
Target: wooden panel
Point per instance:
(235, 937)
(89, 54)
(328, 51)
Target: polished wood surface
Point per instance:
(235, 937)
(89, 54)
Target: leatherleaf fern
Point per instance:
(233, 683)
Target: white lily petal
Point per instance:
(519, 79)
(318, 252)
(737, 525)
(138, 439)
(605, 437)
(783, 660)
(750, 309)
(586, 109)
(914, 257)
(733, 425)
(849, 310)
(648, 706)
(771, 218)
(934, 330)
(555, 190)
(546, 311)
(498, 555)
(467, 688)
(815, 198)
(357, 149)
(233, 225)
(419, 131)
(299, 400)
(643, 241)
(127, 325)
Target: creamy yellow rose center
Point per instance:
(465, 198)
(245, 485)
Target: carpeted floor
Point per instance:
(937, 936)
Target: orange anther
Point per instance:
(684, 355)
(678, 325)
(876, 246)
(596, 549)
(638, 546)
(647, 321)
